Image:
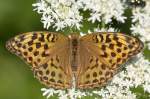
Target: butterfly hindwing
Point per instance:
(95, 75)
(39, 49)
(104, 52)
(53, 75)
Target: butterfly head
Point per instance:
(74, 36)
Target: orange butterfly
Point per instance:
(92, 59)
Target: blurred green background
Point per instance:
(16, 79)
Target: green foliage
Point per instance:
(140, 93)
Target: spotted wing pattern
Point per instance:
(101, 56)
(48, 53)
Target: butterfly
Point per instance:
(92, 60)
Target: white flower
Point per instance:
(41, 7)
(59, 13)
(141, 22)
(47, 20)
(147, 87)
(105, 30)
(66, 13)
(94, 17)
(104, 10)
(95, 30)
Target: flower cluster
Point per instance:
(104, 10)
(137, 73)
(59, 14)
(67, 13)
(141, 22)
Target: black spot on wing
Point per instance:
(88, 76)
(44, 54)
(101, 37)
(36, 53)
(118, 50)
(19, 45)
(103, 47)
(42, 38)
(38, 45)
(119, 44)
(111, 46)
(103, 67)
(45, 46)
(30, 43)
(48, 36)
(108, 38)
(30, 49)
(25, 53)
(45, 78)
(94, 74)
(22, 37)
(45, 65)
(105, 55)
(47, 72)
(113, 54)
(115, 37)
(52, 80)
(34, 36)
(53, 74)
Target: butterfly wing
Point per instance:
(101, 56)
(48, 53)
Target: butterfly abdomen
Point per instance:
(74, 54)
(74, 41)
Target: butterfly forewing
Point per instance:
(101, 55)
(48, 53)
